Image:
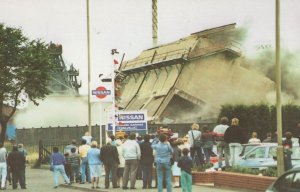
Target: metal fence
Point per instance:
(59, 135)
(32, 136)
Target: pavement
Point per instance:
(41, 180)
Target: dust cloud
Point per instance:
(264, 63)
(56, 111)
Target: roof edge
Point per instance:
(215, 29)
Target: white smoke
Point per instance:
(56, 111)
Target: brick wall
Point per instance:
(234, 180)
(202, 177)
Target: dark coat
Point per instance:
(147, 157)
(109, 155)
(176, 152)
(234, 134)
(16, 161)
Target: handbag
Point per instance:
(172, 159)
(51, 168)
(197, 143)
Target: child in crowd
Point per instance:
(186, 164)
(67, 165)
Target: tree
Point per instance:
(25, 68)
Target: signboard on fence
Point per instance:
(129, 121)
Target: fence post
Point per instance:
(40, 153)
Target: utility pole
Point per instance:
(89, 64)
(280, 160)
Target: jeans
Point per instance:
(186, 181)
(198, 150)
(85, 170)
(59, 169)
(207, 152)
(147, 176)
(222, 146)
(161, 169)
(287, 161)
(3, 172)
(235, 151)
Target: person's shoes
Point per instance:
(116, 187)
(97, 187)
(132, 188)
(82, 182)
(125, 188)
(55, 187)
(93, 187)
(144, 188)
(177, 187)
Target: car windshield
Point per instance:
(257, 153)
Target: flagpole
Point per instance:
(113, 52)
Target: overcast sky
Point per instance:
(127, 25)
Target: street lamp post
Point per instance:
(89, 64)
(280, 160)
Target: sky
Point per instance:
(126, 25)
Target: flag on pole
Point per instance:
(116, 61)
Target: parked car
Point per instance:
(262, 156)
(241, 151)
(288, 182)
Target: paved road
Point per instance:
(41, 180)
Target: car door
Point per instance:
(288, 183)
(255, 158)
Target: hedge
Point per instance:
(262, 118)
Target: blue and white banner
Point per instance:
(129, 121)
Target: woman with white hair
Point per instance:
(94, 162)
(195, 137)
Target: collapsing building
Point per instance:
(189, 79)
